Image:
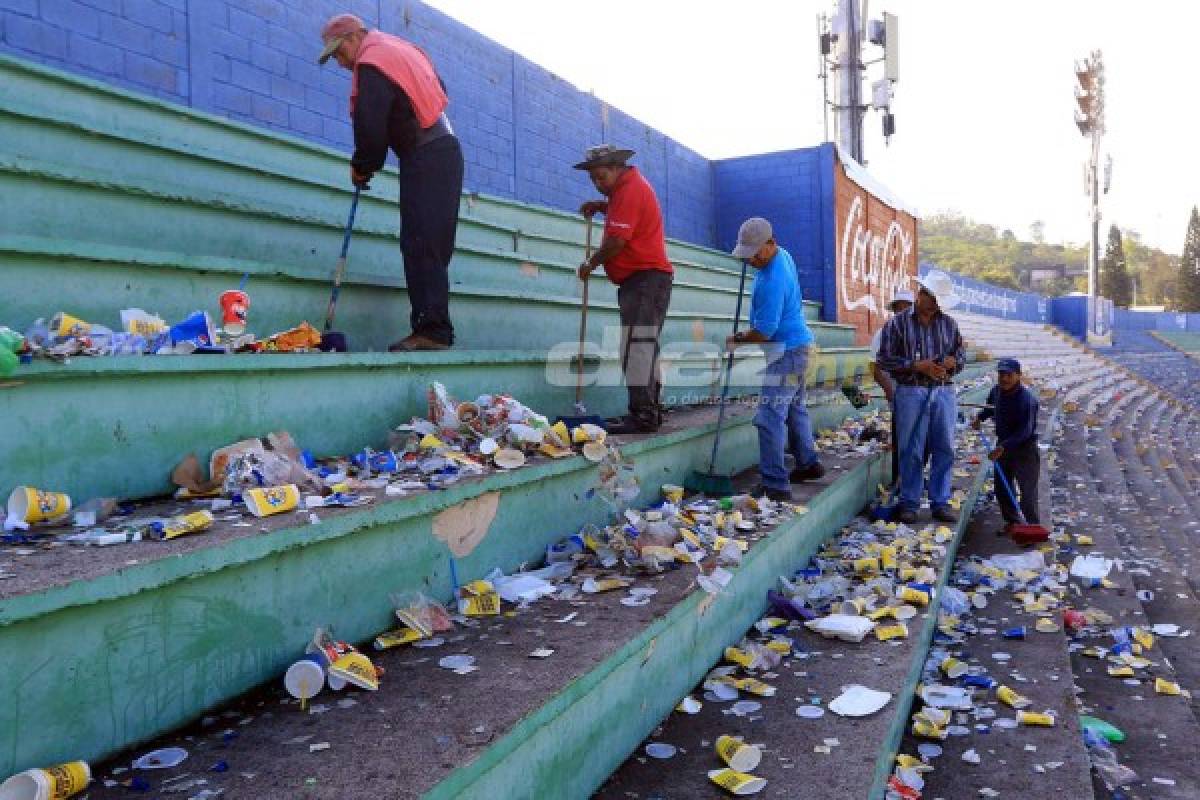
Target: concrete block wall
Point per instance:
(254, 60)
(793, 189)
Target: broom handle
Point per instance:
(1008, 490)
(340, 271)
(712, 459)
(583, 319)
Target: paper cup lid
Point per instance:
(488, 446)
(810, 712)
(304, 679)
(859, 701)
(165, 758)
(661, 750)
(508, 458)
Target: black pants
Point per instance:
(1021, 466)
(430, 189)
(643, 299)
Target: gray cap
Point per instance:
(754, 233)
(604, 155)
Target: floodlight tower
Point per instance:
(841, 44)
(1089, 118)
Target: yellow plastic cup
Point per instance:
(63, 324)
(953, 667)
(886, 632)
(887, 557)
(914, 596)
(672, 493)
(1011, 698)
(32, 505)
(54, 783)
(1034, 718)
(927, 730)
(737, 783)
(1163, 686)
(272, 500)
(866, 566)
(737, 754)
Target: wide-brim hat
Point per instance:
(604, 155)
(940, 286)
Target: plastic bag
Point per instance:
(954, 601)
(422, 614)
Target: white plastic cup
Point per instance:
(304, 680)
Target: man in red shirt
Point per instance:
(634, 256)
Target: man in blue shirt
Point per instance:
(777, 323)
(922, 350)
(1015, 410)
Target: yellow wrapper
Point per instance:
(479, 605)
(1162, 686)
(927, 730)
(866, 566)
(953, 667)
(357, 669)
(1121, 672)
(739, 657)
(914, 596)
(396, 638)
(1143, 637)
(272, 500)
(195, 522)
(755, 686)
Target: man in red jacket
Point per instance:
(398, 101)
(634, 256)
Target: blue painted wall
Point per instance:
(984, 298)
(793, 189)
(254, 60)
(1126, 320)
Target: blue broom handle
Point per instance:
(737, 317)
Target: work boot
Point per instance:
(945, 514)
(812, 472)
(906, 515)
(778, 495)
(416, 342)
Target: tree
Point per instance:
(1037, 231)
(1187, 288)
(1115, 283)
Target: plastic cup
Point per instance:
(55, 783)
(234, 305)
(866, 566)
(304, 679)
(953, 667)
(737, 754)
(1011, 698)
(1034, 718)
(914, 596)
(1018, 632)
(672, 493)
(32, 505)
(273, 500)
(63, 324)
(196, 329)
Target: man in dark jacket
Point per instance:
(398, 101)
(1015, 410)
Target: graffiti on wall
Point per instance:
(876, 255)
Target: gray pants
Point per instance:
(643, 299)
(1021, 466)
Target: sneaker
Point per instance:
(906, 515)
(812, 472)
(416, 342)
(778, 495)
(945, 514)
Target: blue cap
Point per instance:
(1008, 365)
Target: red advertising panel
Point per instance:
(876, 251)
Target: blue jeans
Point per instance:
(782, 418)
(916, 427)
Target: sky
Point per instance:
(984, 105)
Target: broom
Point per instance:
(709, 483)
(1023, 533)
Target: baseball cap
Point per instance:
(1008, 365)
(902, 296)
(337, 29)
(753, 234)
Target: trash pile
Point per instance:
(273, 475)
(143, 333)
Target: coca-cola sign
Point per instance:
(876, 255)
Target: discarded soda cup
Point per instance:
(1163, 686)
(1034, 718)
(63, 324)
(30, 505)
(953, 667)
(196, 330)
(672, 493)
(1010, 698)
(271, 500)
(234, 305)
(1018, 632)
(915, 596)
(737, 754)
(737, 783)
(54, 783)
(980, 681)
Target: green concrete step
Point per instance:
(117, 426)
(179, 627)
